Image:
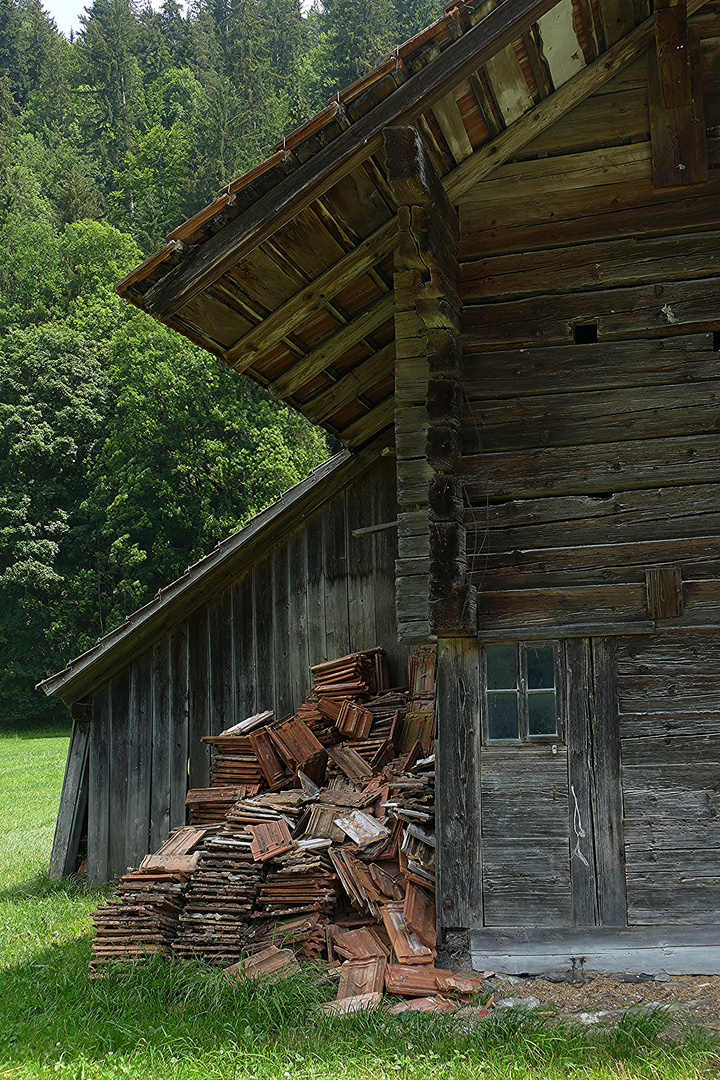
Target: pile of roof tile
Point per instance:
(333, 860)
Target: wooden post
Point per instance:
(457, 763)
(433, 593)
(675, 100)
(73, 800)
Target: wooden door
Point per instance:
(551, 804)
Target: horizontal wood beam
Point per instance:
(365, 375)
(311, 299)
(316, 175)
(363, 429)
(509, 142)
(308, 367)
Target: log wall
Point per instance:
(317, 594)
(587, 462)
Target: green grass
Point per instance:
(174, 1021)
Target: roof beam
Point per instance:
(508, 21)
(505, 145)
(311, 299)
(312, 365)
(366, 374)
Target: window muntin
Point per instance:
(521, 691)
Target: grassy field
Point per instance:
(174, 1021)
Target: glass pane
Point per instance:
(501, 667)
(540, 667)
(502, 716)
(541, 714)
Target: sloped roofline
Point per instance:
(229, 559)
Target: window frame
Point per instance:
(522, 692)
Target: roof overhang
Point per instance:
(288, 275)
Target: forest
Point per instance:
(126, 453)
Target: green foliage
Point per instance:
(127, 453)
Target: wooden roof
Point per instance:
(287, 275)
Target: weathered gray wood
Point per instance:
(664, 592)
(198, 682)
(284, 704)
(385, 545)
(672, 691)
(73, 804)
(607, 804)
(647, 310)
(527, 882)
(499, 612)
(361, 576)
(337, 629)
(459, 811)
(315, 591)
(560, 630)
(178, 725)
(244, 646)
(671, 844)
(515, 809)
(686, 749)
(298, 658)
(580, 734)
(604, 365)
(671, 791)
(676, 949)
(264, 646)
(679, 409)
(673, 899)
(653, 724)
(120, 775)
(98, 787)
(593, 469)
(222, 681)
(161, 742)
(141, 740)
(670, 652)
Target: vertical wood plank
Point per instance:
(579, 733)
(198, 681)
(382, 480)
(264, 629)
(361, 584)
(457, 750)
(222, 680)
(140, 741)
(335, 561)
(178, 725)
(244, 646)
(281, 631)
(608, 803)
(316, 630)
(160, 788)
(99, 788)
(122, 770)
(73, 803)
(298, 657)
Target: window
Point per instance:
(521, 690)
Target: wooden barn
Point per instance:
(491, 269)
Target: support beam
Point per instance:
(308, 367)
(365, 375)
(73, 803)
(312, 299)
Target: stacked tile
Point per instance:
(347, 677)
(298, 882)
(208, 806)
(233, 761)
(219, 900)
(142, 920)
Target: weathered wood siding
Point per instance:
(585, 464)
(670, 737)
(318, 593)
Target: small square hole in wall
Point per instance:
(585, 333)
(716, 340)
